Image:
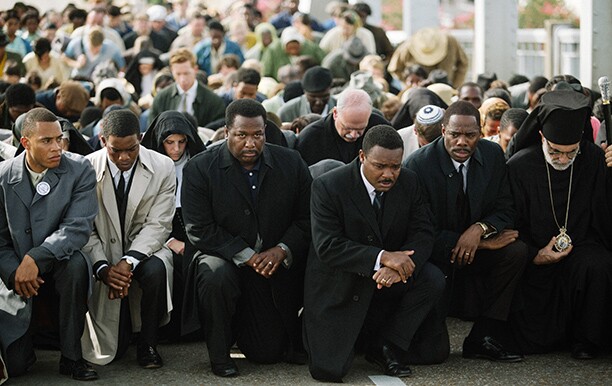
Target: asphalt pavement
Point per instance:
(187, 364)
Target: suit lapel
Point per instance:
(362, 201)
(20, 181)
(234, 174)
(176, 97)
(140, 181)
(476, 183)
(52, 178)
(105, 180)
(452, 184)
(392, 200)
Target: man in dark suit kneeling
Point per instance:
(367, 274)
(246, 212)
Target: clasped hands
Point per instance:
(267, 262)
(118, 278)
(395, 267)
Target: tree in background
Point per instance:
(535, 12)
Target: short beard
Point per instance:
(551, 162)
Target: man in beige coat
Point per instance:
(432, 49)
(133, 266)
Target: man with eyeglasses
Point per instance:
(339, 135)
(466, 182)
(561, 188)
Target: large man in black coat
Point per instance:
(339, 135)
(367, 271)
(246, 212)
(466, 181)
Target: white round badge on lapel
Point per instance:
(43, 188)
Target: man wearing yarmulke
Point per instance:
(427, 127)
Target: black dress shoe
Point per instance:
(489, 348)
(228, 369)
(148, 358)
(584, 351)
(79, 370)
(386, 359)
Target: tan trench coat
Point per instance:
(148, 222)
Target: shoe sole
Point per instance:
(151, 366)
(382, 366)
(479, 356)
(67, 372)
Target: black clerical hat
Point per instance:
(564, 115)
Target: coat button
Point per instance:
(113, 241)
(247, 212)
(356, 298)
(28, 231)
(370, 238)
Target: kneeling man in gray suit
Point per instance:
(367, 274)
(47, 208)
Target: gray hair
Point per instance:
(354, 98)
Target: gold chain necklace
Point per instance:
(563, 240)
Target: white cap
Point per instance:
(157, 13)
(429, 115)
(291, 34)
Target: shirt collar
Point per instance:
(465, 164)
(369, 187)
(114, 170)
(254, 169)
(192, 90)
(35, 177)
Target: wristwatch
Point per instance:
(487, 230)
(283, 249)
(130, 264)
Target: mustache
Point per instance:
(387, 180)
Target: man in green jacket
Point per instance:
(187, 94)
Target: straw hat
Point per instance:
(444, 91)
(429, 46)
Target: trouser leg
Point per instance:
(71, 278)
(430, 344)
(402, 308)
(503, 269)
(151, 276)
(261, 335)
(218, 287)
(19, 356)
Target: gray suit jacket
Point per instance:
(49, 226)
(298, 107)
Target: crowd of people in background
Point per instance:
(192, 215)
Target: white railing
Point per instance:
(531, 52)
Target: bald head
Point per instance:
(354, 99)
(352, 114)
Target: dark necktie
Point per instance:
(377, 204)
(120, 195)
(463, 203)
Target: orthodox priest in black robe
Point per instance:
(560, 181)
